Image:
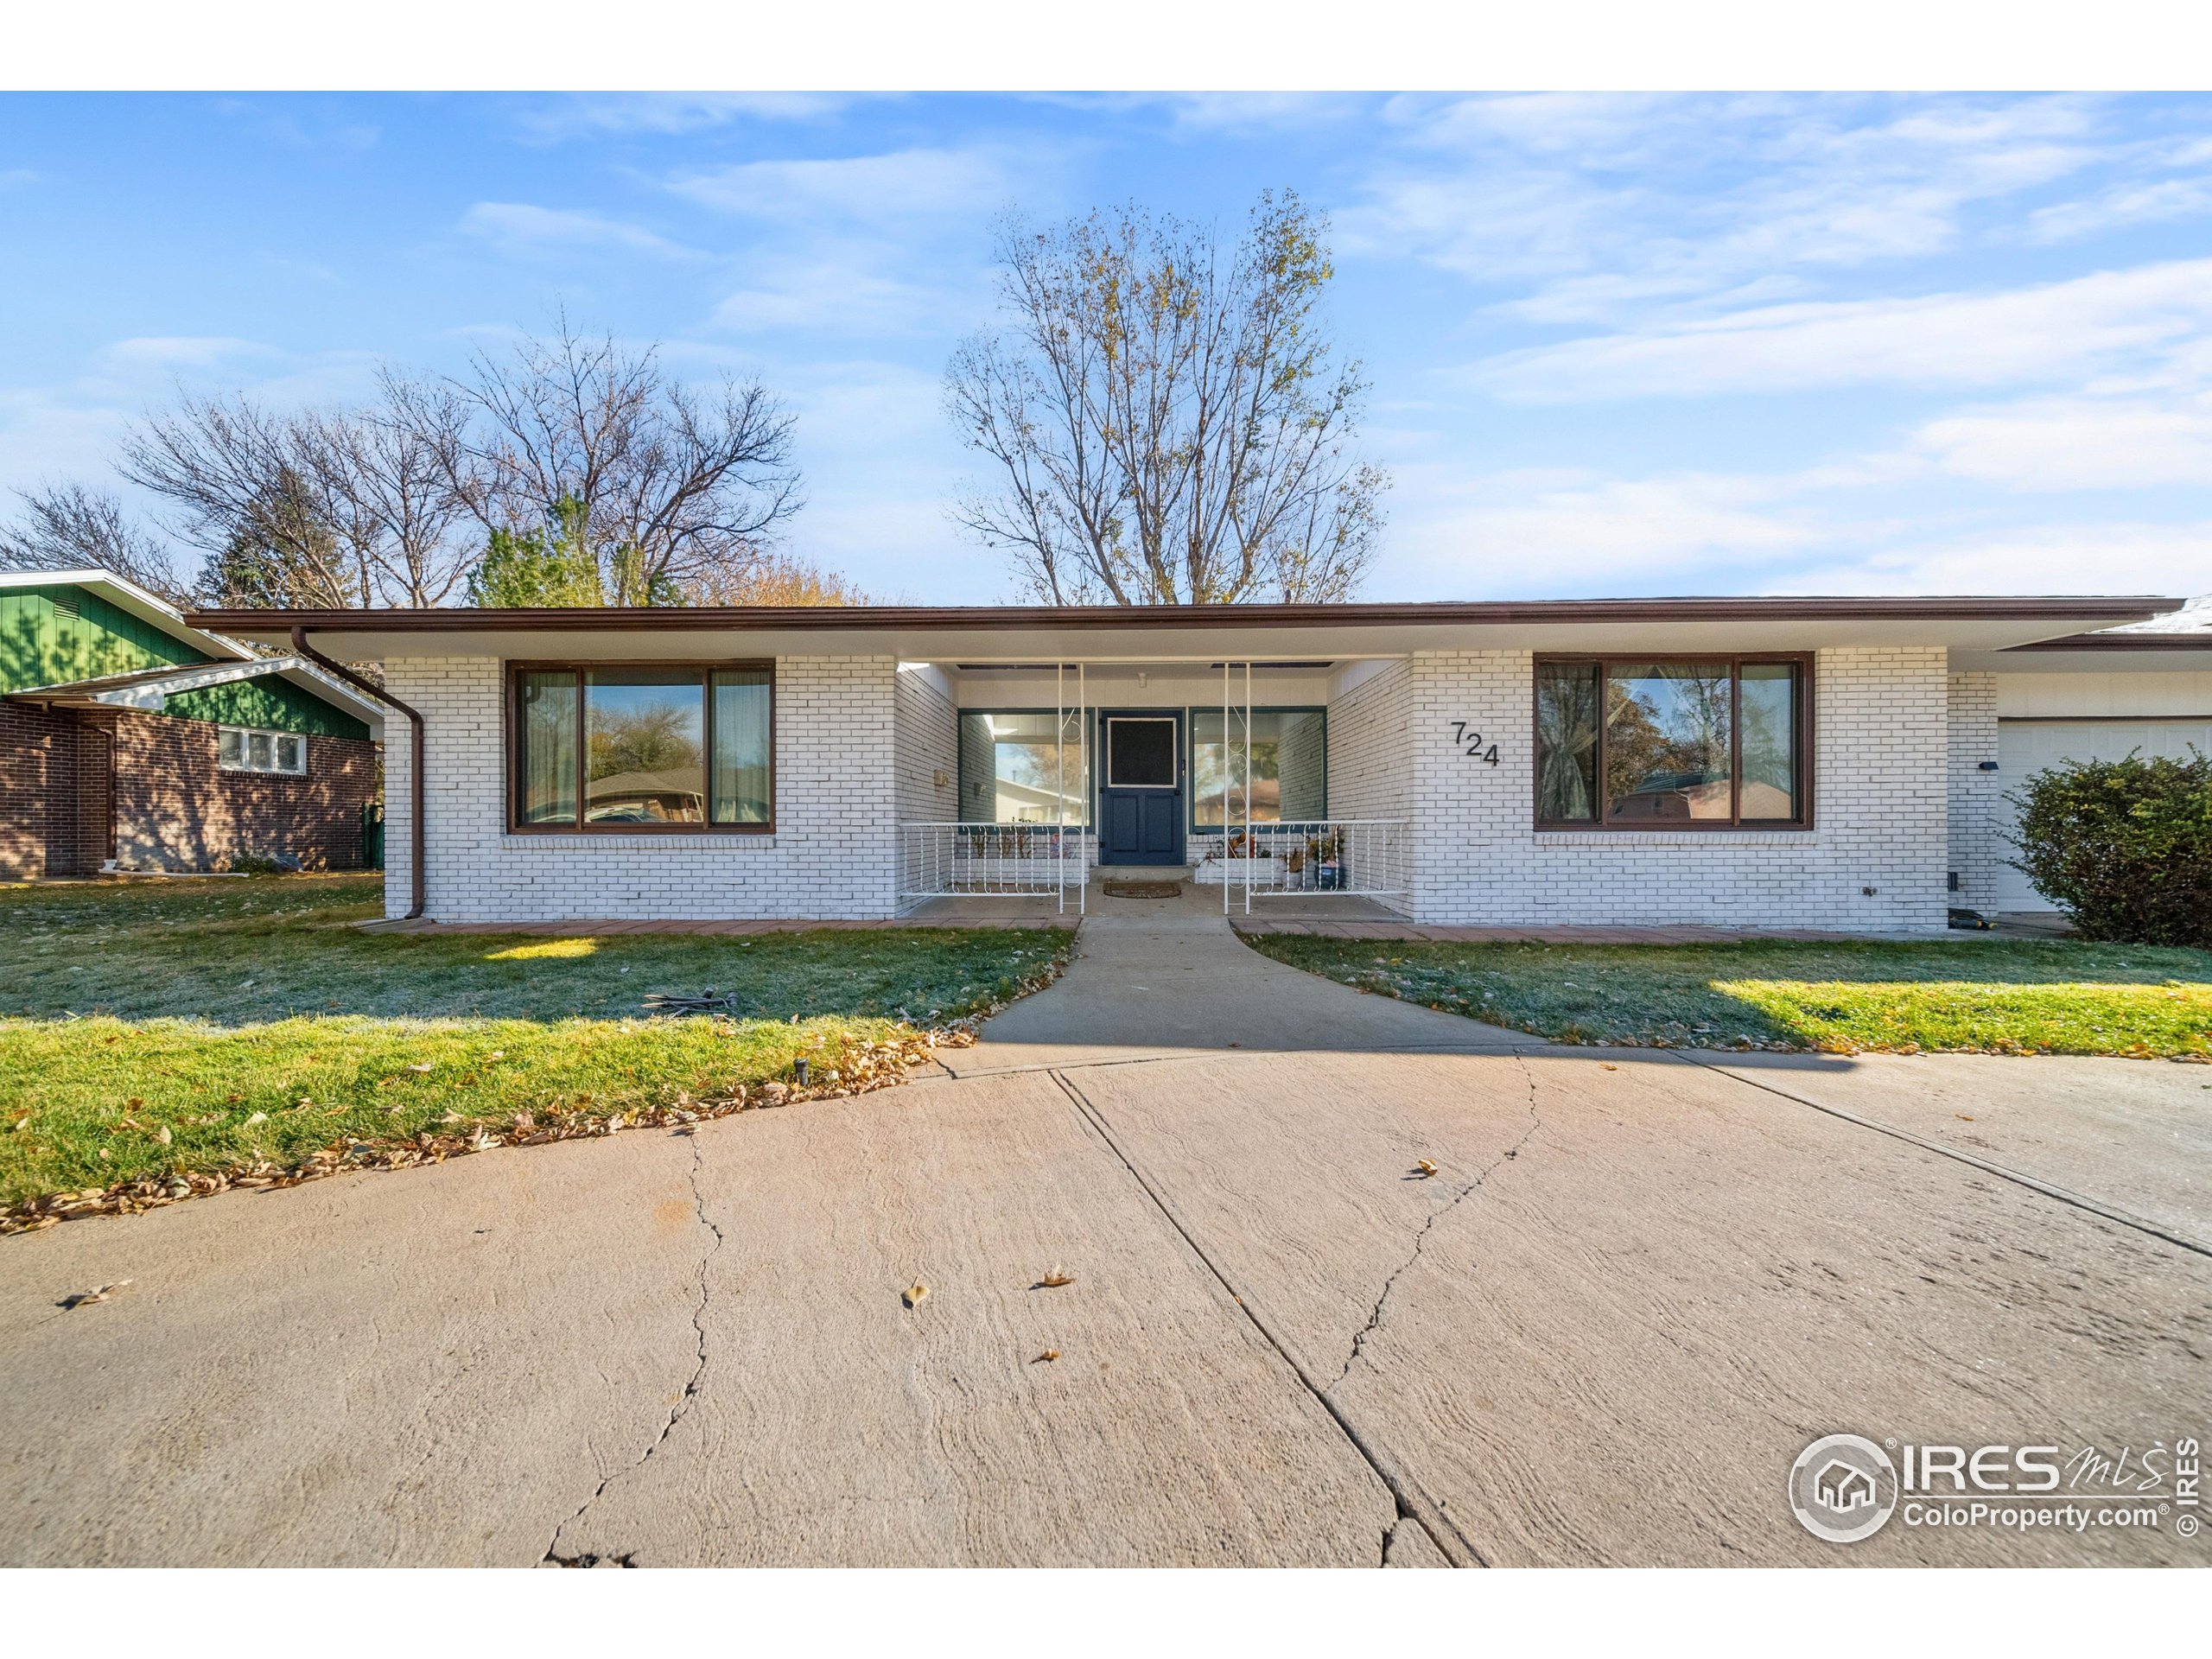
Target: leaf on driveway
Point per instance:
(1425, 1169)
(86, 1298)
(1054, 1279)
(913, 1294)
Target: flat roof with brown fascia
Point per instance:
(981, 634)
(2126, 608)
(2200, 639)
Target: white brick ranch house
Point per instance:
(1806, 763)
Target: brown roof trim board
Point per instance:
(556, 618)
(2201, 640)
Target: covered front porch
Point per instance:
(1254, 787)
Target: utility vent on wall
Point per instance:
(65, 606)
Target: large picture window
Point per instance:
(1629, 743)
(674, 747)
(1289, 774)
(1014, 771)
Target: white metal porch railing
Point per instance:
(1358, 857)
(939, 860)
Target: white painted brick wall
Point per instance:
(1883, 755)
(1880, 750)
(1975, 795)
(831, 856)
(1369, 742)
(926, 746)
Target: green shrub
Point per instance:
(2124, 847)
(263, 864)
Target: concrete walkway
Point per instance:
(1635, 1287)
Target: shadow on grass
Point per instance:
(256, 950)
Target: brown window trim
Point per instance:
(1734, 823)
(511, 675)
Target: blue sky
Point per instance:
(1619, 344)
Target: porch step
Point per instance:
(1142, 872)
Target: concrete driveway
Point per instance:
(1636, 1287)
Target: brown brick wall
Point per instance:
(177, 809)
(38, 793)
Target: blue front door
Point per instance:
(1141, 788)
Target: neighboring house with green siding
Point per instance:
(129, 740)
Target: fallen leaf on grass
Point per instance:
(421, 1065)
(913, 1294)
(86, 1298)
(1054, 1279)
(258, 1117)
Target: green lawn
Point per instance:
(194, 1029)
(1975, 996)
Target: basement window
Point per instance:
(243, 748)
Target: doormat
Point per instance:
(1143, 889)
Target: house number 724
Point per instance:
(1477, 748)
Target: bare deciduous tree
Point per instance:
(247, 489)
(679, 490)
(1171, 423)
(71, 527)
(384, 474)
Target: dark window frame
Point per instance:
(511, 676)
(1089, 741)
(1197, 708)
(1734, 823)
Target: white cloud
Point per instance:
(2095, 557)
(2124, 204)
(519, 227)
(2075, 444)
(666, 113)
(1207, 113)
(1577, 532)
(2110, 322)
(901, 186)
(1618, 200)
(174, 351)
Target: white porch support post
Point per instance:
(1060, 791)
(1082, 768)
(1251, 852)
(1224, 784)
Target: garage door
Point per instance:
(2027, 747)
